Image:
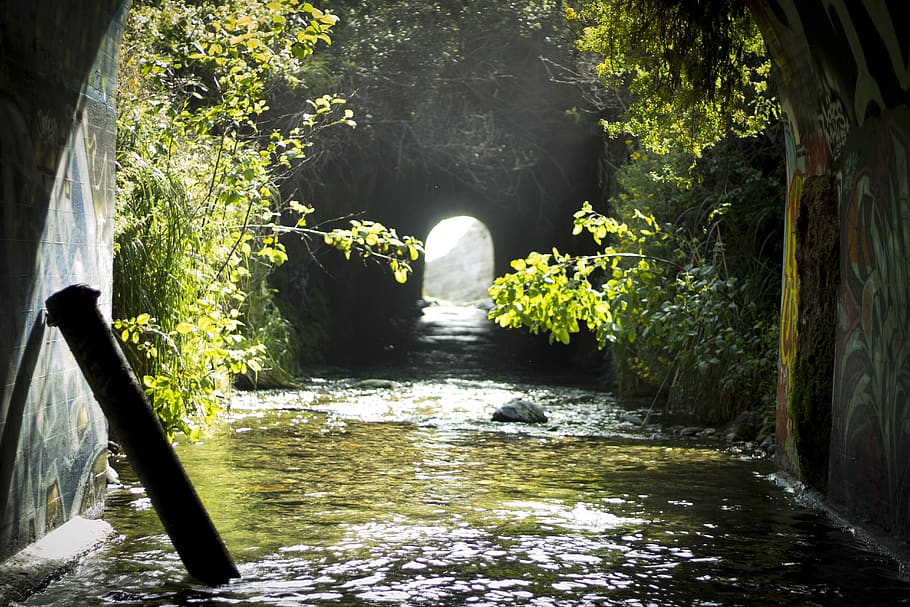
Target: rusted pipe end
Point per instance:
(70, 304)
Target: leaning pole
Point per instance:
(74, 310)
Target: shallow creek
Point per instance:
(353, 492)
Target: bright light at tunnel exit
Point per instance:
(446, 235)
(459, 261)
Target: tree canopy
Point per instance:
(687, 72)
(682, 287)
(453, 88)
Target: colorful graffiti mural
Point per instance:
(871, 437)
(844, 89)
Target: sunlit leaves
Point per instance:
(694, 71)
(557, 293)
(372, 239)
(199, 209)
(193, 361)
(661, 288)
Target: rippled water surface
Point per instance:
(352, 492)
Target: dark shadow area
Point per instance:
(12, 427)
(456, 341)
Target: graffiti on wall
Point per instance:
(789, 310)
(858, 49)
(53, 439)
(57, 73)
(871, 436)
(845, 80)
(864, 120)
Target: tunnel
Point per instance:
(458, 265)
(842, 420)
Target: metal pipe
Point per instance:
(74, 310)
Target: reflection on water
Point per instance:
(418, 500)
(371, 493)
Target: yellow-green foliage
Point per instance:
(679, 307)
(694, 71)
(682, 284)
(199, 210)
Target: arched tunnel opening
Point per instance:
(459, 261)
(371, 322)
(361, 318)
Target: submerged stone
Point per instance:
(377, 384)
(631, 418)
(522, 411)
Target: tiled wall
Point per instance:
(57, 138)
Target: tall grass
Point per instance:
(199, 212)
(180, 283)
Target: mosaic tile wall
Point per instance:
(57, 138)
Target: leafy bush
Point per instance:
(199, 214)
(685, 312)
(690, 72)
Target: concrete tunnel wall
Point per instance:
(843, 417)
(414, 201)
(844, 353)
(58, 65)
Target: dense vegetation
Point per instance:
(200, 208)
(684, 286)
(232, 113)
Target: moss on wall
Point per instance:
(817, 255)
(810, 424)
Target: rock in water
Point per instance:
(520, 410)
(376, 383)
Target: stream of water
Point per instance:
(356, 491)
